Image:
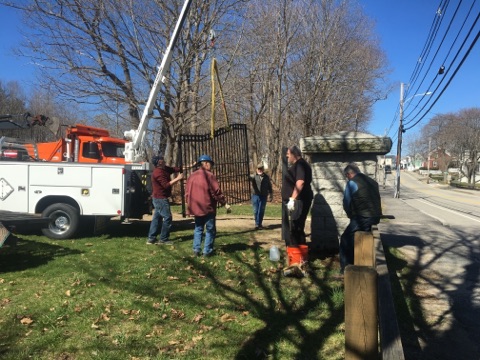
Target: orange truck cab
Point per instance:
(85, 144)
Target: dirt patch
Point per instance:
(271, 234)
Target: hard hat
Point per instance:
(205, 158)
(156, 159)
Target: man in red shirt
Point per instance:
(162, 190)
(202, 193)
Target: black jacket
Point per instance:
(261, 185)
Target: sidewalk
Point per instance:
(440, 273)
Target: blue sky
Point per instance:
(12, 68)
(402, 27)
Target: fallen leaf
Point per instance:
(26, 321)
(227, 317)
(172, 278)
(6, 301)
(198, 317)
(177, 314)
(68, 293)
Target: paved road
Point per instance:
(441, 247)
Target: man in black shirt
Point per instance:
(297, 196)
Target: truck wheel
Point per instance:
(65, 221)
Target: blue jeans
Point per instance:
(259, 203)
(347, 240)
(206, 222)
(162, 219)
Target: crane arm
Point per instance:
(135, 137)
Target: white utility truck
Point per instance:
(65, 192)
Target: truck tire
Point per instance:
(65, 221)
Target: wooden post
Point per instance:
(361, 329)
(364, 253)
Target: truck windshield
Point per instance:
(110, 149)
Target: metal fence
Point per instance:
(229, 150)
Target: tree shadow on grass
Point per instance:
(285, 315)
(284, 305)
(29, 254)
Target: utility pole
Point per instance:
(428, 163)
(399, 143)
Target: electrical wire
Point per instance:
(407, 117)
(449, 81)
(433, 59)
(445, 75)
(414, 116)
(428, 44)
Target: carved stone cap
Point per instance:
(346, 141)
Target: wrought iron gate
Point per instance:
(229, 151)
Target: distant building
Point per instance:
(386, 160)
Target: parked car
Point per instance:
(388, 169)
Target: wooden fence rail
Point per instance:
(369, 307)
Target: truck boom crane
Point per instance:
(135, 137)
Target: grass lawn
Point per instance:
(114, 297)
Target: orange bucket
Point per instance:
(297, 255)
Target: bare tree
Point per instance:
(417, 147)
(289, 68)
(305, 68)
(12, 98)
(438, 129)
(337, 79)
(467, 141)
(105, 53)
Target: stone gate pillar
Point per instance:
(328, 155)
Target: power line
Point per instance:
(438, 18)
(449, 81)
(419, 112)
(413, 118)
(433, 59)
